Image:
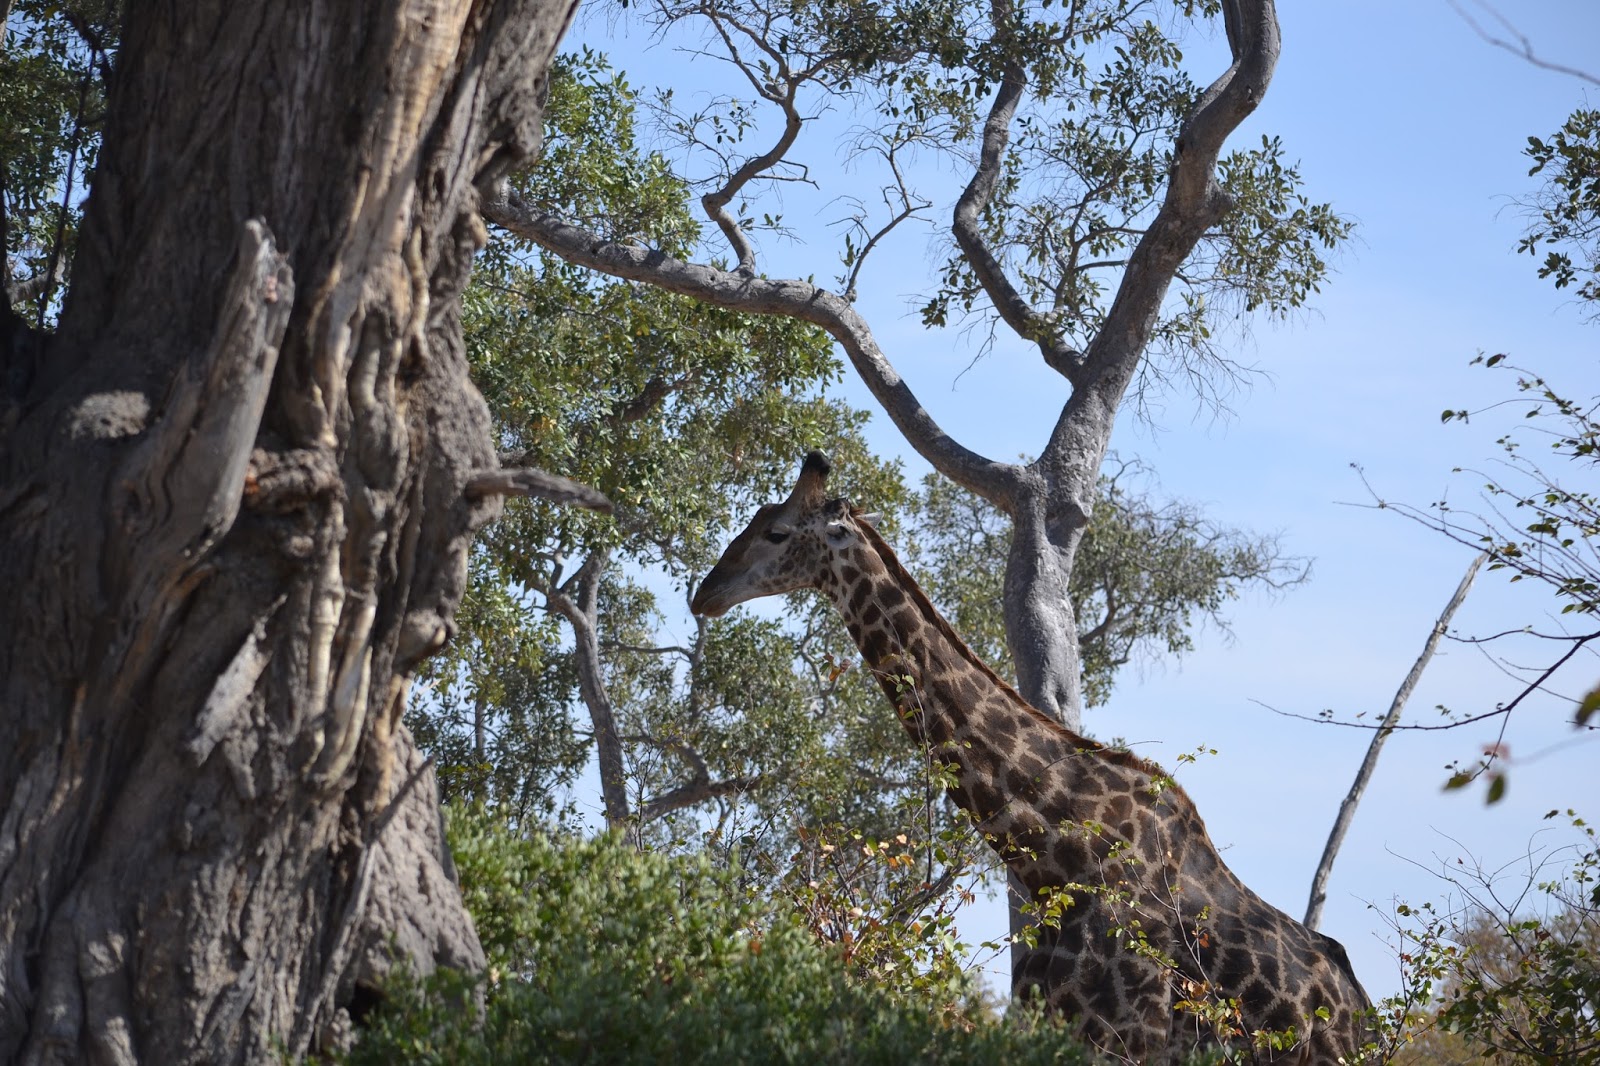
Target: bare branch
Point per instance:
(537, 483)
(909, 206)
(698, 788)
(999, 483)
(1578, 643)
(1369, 763)
(780, 90)
(644, 649)
(696, 792)
(1523, 48)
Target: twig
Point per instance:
(1523, 49)
(1534, 686)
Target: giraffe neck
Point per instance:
(1018, 772)
(1064, 813)
(943, 690)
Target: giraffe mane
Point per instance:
(897, 570)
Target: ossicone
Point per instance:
(810, 489)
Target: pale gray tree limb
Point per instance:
(577, 600)
(1195, 201)
(698, 788)
(536, 483)
(994, 481)
(1369, 763)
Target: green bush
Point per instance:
(1511, 977)
(599, 953)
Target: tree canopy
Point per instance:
(1100, 221)
(686, 415)
(1564, 212)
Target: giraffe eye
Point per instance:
(777, 536)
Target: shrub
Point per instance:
(599, 953)
(1511, 977)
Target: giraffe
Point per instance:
(1154, 919)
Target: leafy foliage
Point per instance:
(1083, 175)
(745, 742)
(1566, 209)
(1513, 976)
(53, 75)
(739, 730)
(1146, 573)
(679, 412)
(601, 953)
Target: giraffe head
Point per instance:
(787, 546)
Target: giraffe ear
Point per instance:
(869, 517)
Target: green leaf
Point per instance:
(1587, 706)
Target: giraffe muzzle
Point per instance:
(705, 600)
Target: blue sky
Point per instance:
(1412, 126)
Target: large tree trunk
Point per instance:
(233, 519)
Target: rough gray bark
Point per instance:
(1369, 762)
(234, 516)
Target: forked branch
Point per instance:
(1013, 309)
(1194, 202)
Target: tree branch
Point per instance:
(1523, 48)
(697, 791)
(537, 483)
(1369, 763)
(1194, 202)
(698, 788)
(1015, 311)
(996, 482)
(577, 602)
(716, 202)
(645, 649)
(30, 288)
(909, 206)
(1537, 684)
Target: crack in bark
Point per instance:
(242, 555)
